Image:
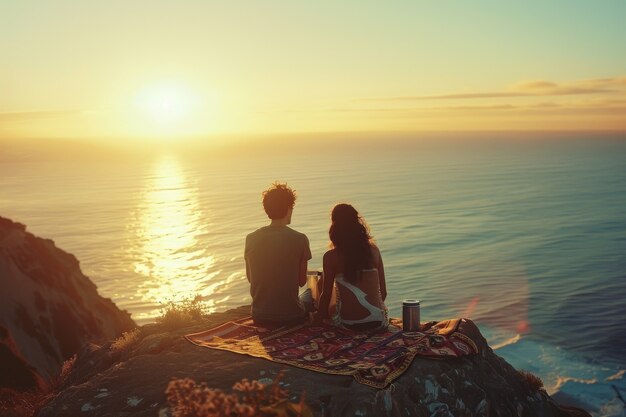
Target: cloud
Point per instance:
(488, 107)
(537, 85)
(447, 96)
(537, 88)
(606, 107)
(545, 105)
(38, 115)
(547, 88)
(616, 82)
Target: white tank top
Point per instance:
(375, 313)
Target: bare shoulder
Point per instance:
(331, 259)
(331, 256)
(375, 251)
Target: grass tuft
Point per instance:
(183, 313)
(15, 403)
(22, 404)
(66, 369)
(125, 341)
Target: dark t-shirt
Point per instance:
(274, 255)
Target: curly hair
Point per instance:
(278, 199)
(350, 236)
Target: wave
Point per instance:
(509, 341)
(616, 376)
(562, 380)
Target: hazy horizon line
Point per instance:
(323, 133)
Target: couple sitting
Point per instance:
(276, 266)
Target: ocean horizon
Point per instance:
(526, 238)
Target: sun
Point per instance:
(175, 110)
(166, 104)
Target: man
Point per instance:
(276, 262)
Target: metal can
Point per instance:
(410, 315)
(314, 282)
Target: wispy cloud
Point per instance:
(609, 107)
(537, 88)
(446, 96)
(39, 114)
(618, 82)
(548, 88)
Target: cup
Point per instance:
(313, 283)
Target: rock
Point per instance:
(49, 310)
(482, 385)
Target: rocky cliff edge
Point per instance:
(48, 309)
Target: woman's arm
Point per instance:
(327, 289)
(381, 275)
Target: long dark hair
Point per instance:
(350, 236)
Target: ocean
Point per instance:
(525, 237)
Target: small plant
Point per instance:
(16, 403)
(125, 341)
(182, 313)
(66, 368)
(533, 381)
(248, 399)
(21, 404)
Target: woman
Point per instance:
(355, 265)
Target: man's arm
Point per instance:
(245, 257)
(306, 255)
(302, 273)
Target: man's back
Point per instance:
(274, 255)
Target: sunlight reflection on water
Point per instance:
(169, 222)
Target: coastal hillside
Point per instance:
(50, 312)
(48, 309)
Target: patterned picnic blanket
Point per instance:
(373, 359)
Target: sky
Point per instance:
(148, 70)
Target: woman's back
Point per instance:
(359, 298)
(355, 268)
